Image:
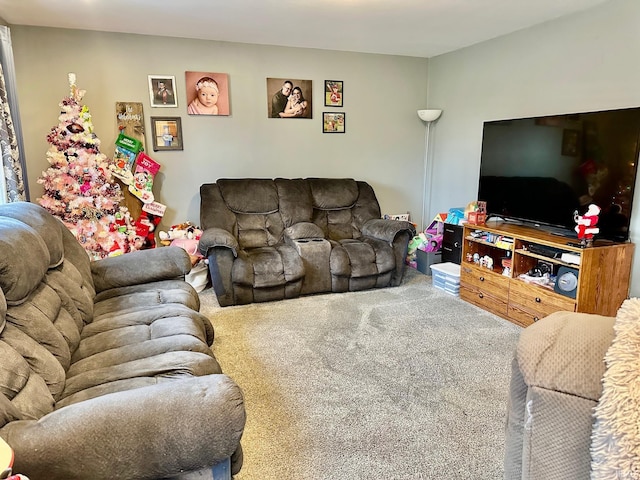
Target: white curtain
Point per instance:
(13, 179)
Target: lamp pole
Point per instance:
(427, 116)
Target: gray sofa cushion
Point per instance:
(249, 195)
(43, 223)
(18, 277)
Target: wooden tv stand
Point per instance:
(603, 273)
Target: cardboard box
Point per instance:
(477, 218)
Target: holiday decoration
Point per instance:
(149, 219)
(127, 149)
(142, 184)
(586, 225)
(78, 186)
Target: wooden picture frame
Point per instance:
(333, 93)
(162, 91)
(333, 122)
(166, 133)
(570, 142)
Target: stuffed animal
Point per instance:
(415, 243)
(182, 230)
(586, 224)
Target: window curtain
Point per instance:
(13, 181)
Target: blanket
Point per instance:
(615, 440)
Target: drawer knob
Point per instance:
(535, 319)
(538, 300)
(482, 279)
(480, 295)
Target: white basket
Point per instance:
(198, 277)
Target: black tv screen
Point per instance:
(541, 170)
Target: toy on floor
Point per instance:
(434, 234)
(186, 236)
(180, 230)
(428, 241)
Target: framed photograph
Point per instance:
(162, 91)
(289, 98)
(333, 93)
(207, 93)
(570, 142)
(333, 122)
(167, 133)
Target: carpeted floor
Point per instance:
(399, 383)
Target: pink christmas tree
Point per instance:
(78, 186)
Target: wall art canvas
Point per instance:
(207, 93)
(289, 98)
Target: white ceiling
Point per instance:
(420, 28)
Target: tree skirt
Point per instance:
(615, 441)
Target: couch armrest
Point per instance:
(144, 266)
(145, 433)
(217, 237)
(386, 229)
(565, 351)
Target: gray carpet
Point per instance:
(398, 383)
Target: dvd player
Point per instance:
(545, 251)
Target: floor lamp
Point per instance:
(427, 116)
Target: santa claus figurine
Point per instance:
(586, 225)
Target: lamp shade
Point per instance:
(429, 115)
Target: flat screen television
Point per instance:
(541, 170)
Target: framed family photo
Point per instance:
(162, 91)
(333, 93)
(289, 98)
(333, 122)
(207, 93)
(167, 133)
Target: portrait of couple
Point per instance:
(289, 98)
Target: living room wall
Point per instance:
(383, 143)
(585, 62)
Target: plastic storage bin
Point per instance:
(446, 276)
(426, 259)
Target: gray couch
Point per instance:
(274, 239)
(556, 383)
(106, 369)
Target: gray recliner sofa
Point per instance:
(274, 239)
(106, 369)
